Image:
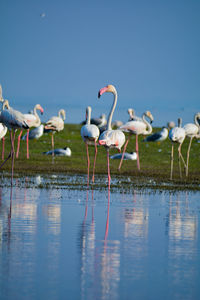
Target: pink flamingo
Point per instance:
(111, 138)
(192, 130)
(13, 120)
(90, 134)
(32, 120)
(3, 131)
(177, 135)
(55, 124)
(137, 127)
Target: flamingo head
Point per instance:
(149, 115)
(107, 89)
(39, 107)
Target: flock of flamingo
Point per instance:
(96, 132)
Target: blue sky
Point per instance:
(150, 51)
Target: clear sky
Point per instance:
(61, 52)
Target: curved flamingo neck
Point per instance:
(149, 127)
(61, 112)
(38, 122)
(88, 115)
(112, 111)
(196, 117)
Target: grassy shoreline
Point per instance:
(154, 159)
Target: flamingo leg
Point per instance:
(12, 139)
(179, 161)
(95, 156)
(137, 151)
(108, 169)
(88, 162)
(124, 152)
(18, 144)
(52, 143)
(188, 154)
(27, 144)
(172, 160)
(182, 157)
(3, 146)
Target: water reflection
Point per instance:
(98, 244)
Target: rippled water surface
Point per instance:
(74, 243)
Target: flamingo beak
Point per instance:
(101, 91)
(41, 110)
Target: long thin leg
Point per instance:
(27, 144)
(188, 154)
(3, 146)
(182, 157)
(52, 143)
(12, 155)
(95, 156)
(88, 162)
(137, 151)
(172, 160)
(179, 161)
(108, 169)
(18, 144)
(124, 152)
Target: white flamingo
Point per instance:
(3, 128)
(137, 127)
(55, 124)
(192, 130)
(132, 115)
(111, 138)
(33, 120)
(90, 134)
(177, 135)
(13, 120)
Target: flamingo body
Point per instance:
(90, 134)
(112, 139)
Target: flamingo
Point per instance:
(3, 128)
(3, 131)
(55, 124)
(90, 134)
(177, 135)
(191, 131)
(137, 127)
(111, 138)
(13, 120)
(132, 116)
(159, 136)
(32, 120)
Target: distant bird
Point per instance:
(111, 138)
(177, 135)
(35, 133)
(55, 124)
(132, 115)
(32, 120)
(100, 122)
(116, 124)
(13, 120)
(90, 134)
(60, 152)
(137, 127)
(171, 124)
(159, 136)
(192, 130)
(127, 156)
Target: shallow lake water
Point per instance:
(70, 242)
